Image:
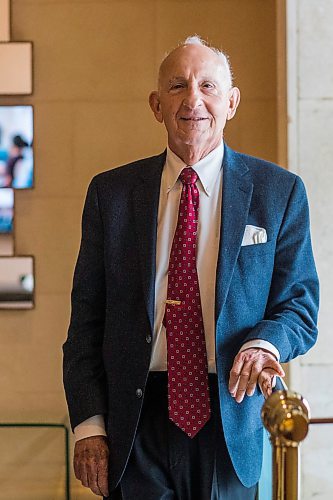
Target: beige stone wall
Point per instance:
(95, 63)
(310, 96)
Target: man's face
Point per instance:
(193, 100)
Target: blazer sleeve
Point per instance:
(292, 307)
(83, 368)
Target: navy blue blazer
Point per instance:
(266, 291)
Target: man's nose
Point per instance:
(193, 98)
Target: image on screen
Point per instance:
(16, 150)
(6, 210)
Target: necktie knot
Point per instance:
(188, 176)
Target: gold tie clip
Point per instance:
(174, 302)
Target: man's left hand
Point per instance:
(248, 366)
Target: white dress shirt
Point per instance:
(209, 170)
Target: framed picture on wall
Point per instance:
(16, 147)
(16, 59)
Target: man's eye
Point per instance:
(176, 86)
(208, 85)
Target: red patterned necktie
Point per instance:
(188, 390)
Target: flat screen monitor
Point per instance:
(16, 282)
(6, 210)
(16, 147)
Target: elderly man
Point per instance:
(195, 279)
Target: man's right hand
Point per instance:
(91, 458)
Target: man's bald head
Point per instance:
(205, 49)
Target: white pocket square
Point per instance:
(254, 235)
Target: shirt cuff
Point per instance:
(93, 426)
(261, 344)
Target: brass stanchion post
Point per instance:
(285, 415)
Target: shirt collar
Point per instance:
(208, 168)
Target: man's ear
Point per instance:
(234, 100)
(155, 104)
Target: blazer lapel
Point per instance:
(236, 197)
(145, 202)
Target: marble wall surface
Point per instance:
(310, 95)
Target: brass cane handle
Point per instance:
(285, 415)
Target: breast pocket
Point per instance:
(258, 249)
(253, 274)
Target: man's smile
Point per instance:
(193, 119)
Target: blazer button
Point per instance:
(148, 339)
(138, 393)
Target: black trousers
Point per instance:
(165, 464)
